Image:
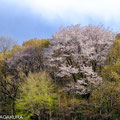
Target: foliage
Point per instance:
(16, 48)
(112, 72)
(9, 85)
(37, 95)
(13, 68)
(114, 53)
(104, 102)
(37, 42)
(117, 36)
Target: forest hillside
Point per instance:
(75, 75)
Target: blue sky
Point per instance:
(26, 19)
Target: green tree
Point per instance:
(117, 36)
(104, 102)
(37, 96)
(112, 72)
(114, 53)
(9, 85)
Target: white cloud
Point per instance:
(72, 10)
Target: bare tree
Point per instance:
(6, 44)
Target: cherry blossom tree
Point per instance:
(79, 50)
